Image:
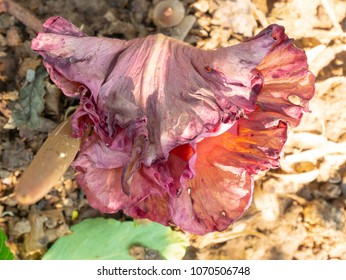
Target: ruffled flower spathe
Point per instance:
(177, 132)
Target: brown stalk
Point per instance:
(21, 14)
(49, 164)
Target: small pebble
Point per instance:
(21, 227)
(109, 16)
(30, 75)
(331, 190)
(7, 181)
(13, 38)
(202, 6)
(51, 222)
(68, 202)
(10, 201)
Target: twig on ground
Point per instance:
(260, 15)
(332, 16)
(21, 14)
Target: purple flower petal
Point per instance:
(177, 132)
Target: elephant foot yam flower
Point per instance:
(177, 132)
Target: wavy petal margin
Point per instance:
(178, 132)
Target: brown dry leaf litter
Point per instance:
(298, 211)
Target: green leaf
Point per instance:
(108, 239)
(5, 253)
(27, 112)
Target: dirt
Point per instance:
(298, 211)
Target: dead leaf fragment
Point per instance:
(235, 15)
(27, 112)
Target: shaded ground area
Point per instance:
(298, 210)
